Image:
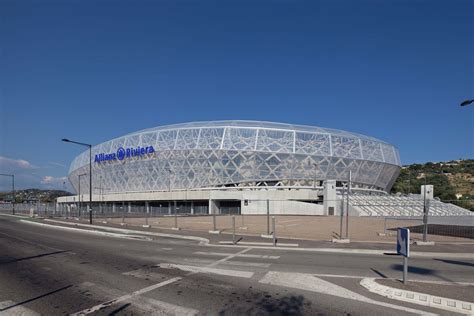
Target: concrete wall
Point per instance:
(281, 207)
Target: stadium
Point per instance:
(239, 167)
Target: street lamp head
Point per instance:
(65, 140)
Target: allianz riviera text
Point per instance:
(123, 153)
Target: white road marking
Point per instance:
(308, 282)
(196, 269)
(229, 262)
(224, 254)
(144, 274)
(152, 287)
(125, 297)
(155, 307)
(5, 309)
(251, 243)
(230, 257)
(167, 248)
(347, 251)
(418, 298)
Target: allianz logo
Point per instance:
(124, 153)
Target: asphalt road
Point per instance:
(49, 271)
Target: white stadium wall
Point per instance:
(206, 155)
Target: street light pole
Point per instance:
(13, 189)
(79, 193)
(90, 172)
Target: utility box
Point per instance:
(429, 191)
(329, 197)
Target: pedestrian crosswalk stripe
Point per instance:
(224, 254)
(211, 270)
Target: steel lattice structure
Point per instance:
(236, 153)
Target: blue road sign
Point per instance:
(403, 242)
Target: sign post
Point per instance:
(403, 249)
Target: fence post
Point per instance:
(347, 201)
(385, 226)
(233, 229)
(268, 217)
(274, 231)
(425, 218)
(214, 221)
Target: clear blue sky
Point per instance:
(94, 70)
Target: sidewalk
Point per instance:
(456, 298)
(449, 250)
(316, 228)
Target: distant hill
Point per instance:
(33, 195)
(453, 180)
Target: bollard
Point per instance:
(274, 231)
(405, 270)
(233, 229)
(146, 218)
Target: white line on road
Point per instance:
(224, 254)
(152, 287)
(196, 269)
(196, 261)
(125, 297)
(151, 306)
(308, 282)
(250, 243)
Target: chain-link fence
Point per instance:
(294, 219)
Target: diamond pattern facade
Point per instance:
(237, 153)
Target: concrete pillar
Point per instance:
(169, 208)
(192, 207)
(113, 207)
(213, 208)
(175, 210)
(329, 198)
(147, 207)
(129, 207)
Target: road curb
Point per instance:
(96, 232)
(201, 240)
(418, 298)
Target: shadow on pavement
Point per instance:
(118, 310)
(288, 305)
(461, 263)
(267, 305)
(420, 271)
(35, 298)
(34, 257)
(379, 273)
